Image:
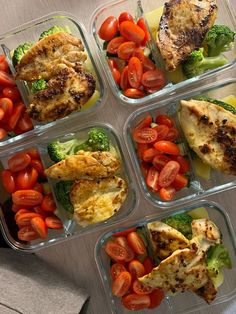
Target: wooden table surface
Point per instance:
(76, 257)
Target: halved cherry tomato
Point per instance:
(168, 173)
(6, 105)
(162, 131)
(2, 113)
(172, 135)
(27, 234)
(38, 187)
(8, 181)
(24, 219)
(116, 252)
(116, 75)
(184, 164)
(4, 66)
(27, 197)
(24, 123)
(18, 110)
(116, 269)
(124, 82)
(136, 243)
(121, 284)
(136, 269)
(145, 168)
(3, 133)
(112, 64)
(123, 233)
(141, 148)
(164, 119)
(42, 213)
(141, 289)
(19, 162)
(141, 23)
(37, 164)
(33, 152)
(153, 78)
(109, 28)
(15, 208)
(179, 182)
(40, 227)
(125, 50)
(123, 242)
(135, 72)
(145, 135)
(168, 193)
(26, 178)
(167, 147)
(53, 222)
(6, 79)
(152, 90)
(114, 44)
(149, 154)
(11, 92)
(160, 161)
(48, 204)
(125, 16)
(144, 123)
(134, 93)
(135, 301)
(148, 265)
(21, 211)
(132, 32)
(147, 63)
(152, 179)
(156, 297)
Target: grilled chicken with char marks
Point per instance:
(182, 28)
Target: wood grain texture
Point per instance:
(76, 257)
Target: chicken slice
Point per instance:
(211, 132)
(85, 165)
(95, 201)
(165, 239)
(207, 292)
(45, 58)
(182, 28)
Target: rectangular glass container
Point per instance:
(139, 8)
(71, 228)
(199, 186)
(175, 304)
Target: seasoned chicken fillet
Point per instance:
(46, 57)
(83, 165)
(165, 239)
(182, 28)
(211, 132)
(95, 201)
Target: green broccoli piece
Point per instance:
(53, 30)
(220, 38)
(216, 259)
(217, 102)
(181, 222)
(19, 52)
(62, 192)
(97, 141)
(38, 86)
(197, 63)
(58, 151)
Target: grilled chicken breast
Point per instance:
(84, 165)
(182, 28)
(65, 93)
(45, 58)
(211, 132)
(165, 239)
(207, 292)
(96, 201)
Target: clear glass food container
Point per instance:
(145, 8)
(175, 304)
(199, 186)
(71, 228)
(29, 32)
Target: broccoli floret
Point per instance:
(217, 102)
(197, 63)
(62, 192)
(58, 151)
(19, 52)
(216, 259)
(181, 222)
(38, 86)
(53, 30)
(97, 141)
(220, 38)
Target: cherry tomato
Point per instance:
(136, 269)
(33, 152)
(21, 211)
(27, 234)
(116, 75)
(24, 124)
(123, 233)
(116, 252)
(153, 78)
(149, 154)
(37, 164)
(8, 181)
(6, 105)
(2, 58)
(6, 79)
(26, 178)
(40, 227)
(145, 168)
(167, 147)
(24, 219)
(152, 179)
(164, 119)
(3, 133)
(156, 297)
(144, 123)
(135, 301)
(2, 113)
(147, 63)
(172, 135)
(162, 131)
(148, 265)
(145, 135)
(11, 92)
(123, 242)
(42, 213)
(152, 90)
(135, 72)
(167, 194)
(38, 187)
(168, 173)
(125, 16)
(184, 164)
(4, 66)
(141, 289)
(112, 64)
(19, 162)
(134, 93)
(27, 197)
(124, 82)
(160, 161)
(108, 28)
(136, 243)
(141, 148)
(125, 50)
(121, 284)
(141, 23)
(18, 110)
(132, 32)
(53, 222)
(48, 203)
(114, 44)
(179, 182)
(15, 208)
(116, 269)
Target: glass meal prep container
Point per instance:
(183, 302)
(199, 186)
(147, 9)
(30, 32)
(70, 228)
